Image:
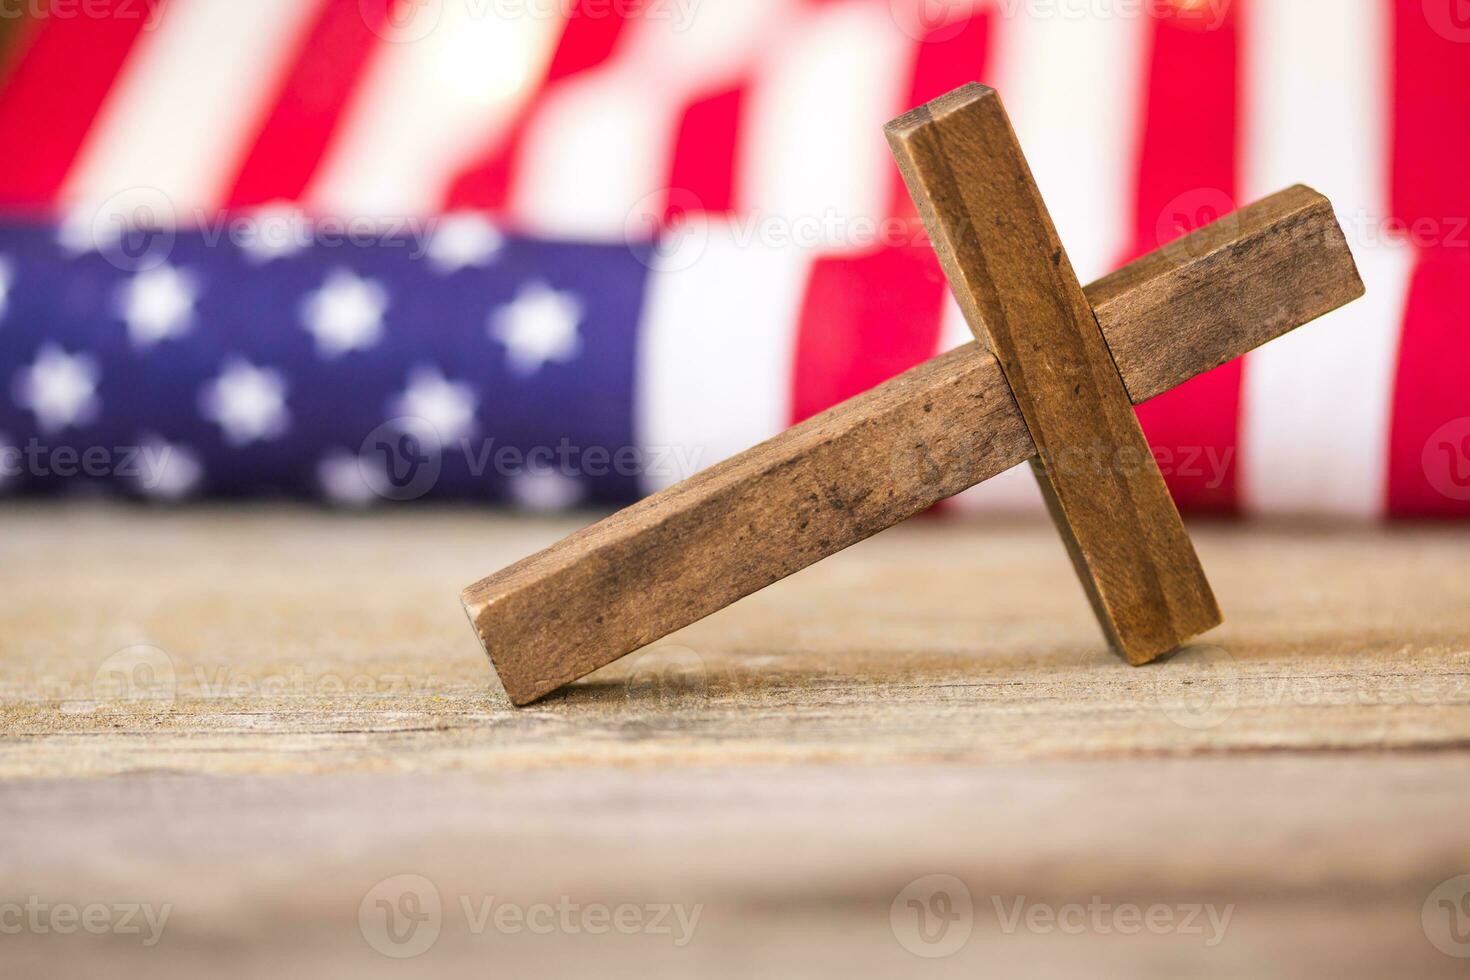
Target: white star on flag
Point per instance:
(340, 477)
(248, 403)
(157, 304)
(168, 471)
(274, 231)
(5, 279)
(544, 490)
(60, 388)
(449, 406)
(345, 314)
(537, 327)
(74, 231)
(463, 241)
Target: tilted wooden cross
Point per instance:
(1053, 379)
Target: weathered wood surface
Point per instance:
(877, 459)
(931, 701)
(1010, 272)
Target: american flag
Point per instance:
(551, 252)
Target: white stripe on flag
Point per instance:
(187, 100)
(443, 86)
(954, 329)
(716, 348)
(813, 155)
(1073, 87)
(1012, 492)
(1316, 405)
(597, 156)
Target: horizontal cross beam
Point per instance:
(890, 453)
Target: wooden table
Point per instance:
(934, 701)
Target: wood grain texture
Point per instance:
(891, 452)
(1008, 268)
(790, 763)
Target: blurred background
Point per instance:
(547, 253)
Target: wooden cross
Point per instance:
(1052, 379)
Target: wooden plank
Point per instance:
(1009, 270)
(853, 728)
(956, 640)
(877, 459)
(787, 864)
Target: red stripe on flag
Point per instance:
(1429, 444)
(64, 70)
(1431, 107)
(867, 318)
(1187, 178)
(1429, 448)
(862, 321)
(309, 101)
(948, 57)
(592, 31)
(702, 174)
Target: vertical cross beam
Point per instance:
(966, 172)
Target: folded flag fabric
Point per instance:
(710, 241)
(466, 365)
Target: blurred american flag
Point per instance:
(670, 228)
